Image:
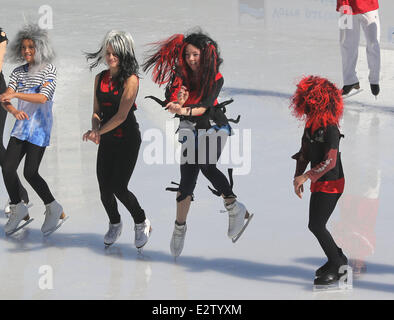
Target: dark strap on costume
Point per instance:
(177, 189)
(230, 175)
(3, 38)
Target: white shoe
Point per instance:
(142, 233)
(53, 213)
(236, 217)
(178, 240)
(18, 213)
(113, 233)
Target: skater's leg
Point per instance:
(321, 207)
(16, 150)
(104, 170)
(33, 159)
(125, 161)
(371, 25)
(189, 174)
(349, 43)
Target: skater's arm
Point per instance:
(19, 115)
(301, 157)
(126, 103)
(28, 97)
(329, 162)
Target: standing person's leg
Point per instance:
(33, 159)
(371, 25)
(349, 42)
(321, 207)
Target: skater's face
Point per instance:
(28, 50)
(111, 57)
(193, 57)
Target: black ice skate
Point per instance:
(323, 269)
(334, 280)
(351, 90)
(375, 89)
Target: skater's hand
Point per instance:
(299, 184)
(183, 95)
(6, 97)
(20, 115)
(174, 107)
(92, 135)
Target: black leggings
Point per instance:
(116, 159)
(3, 115)
(321, 207)
(15, 152)
(189, 173)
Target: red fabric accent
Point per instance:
(106, 84)
(118, 133)
(359, 6)
(335, 186)
(107, 104)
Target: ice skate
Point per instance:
(239, 219)
(18, 213)
(142, 233)
(323, 269)
(113, 233)
(334, 280)
(53, 213)
(178, 240)
(375, 90)
(7, 209)
(351, 90)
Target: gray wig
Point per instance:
(44, 50)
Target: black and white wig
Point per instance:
(123, 45)
(44, 51)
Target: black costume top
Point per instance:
(321, 148)
(109, 96)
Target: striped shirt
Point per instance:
(37, 129)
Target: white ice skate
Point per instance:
(7, 209)
(237, 215)
(113, 233)
(53, 213)
(18, 213)
(142, 233)
(178, 240)
(352, 93)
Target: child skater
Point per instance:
(3, 116)
(189, 66)
(116, 130)
(319, 103)
(33, 84)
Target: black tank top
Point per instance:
(109, 96)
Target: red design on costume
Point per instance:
(359, 6)
(335, 186)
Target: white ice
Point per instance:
(266, 46)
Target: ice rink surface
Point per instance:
(267, 46)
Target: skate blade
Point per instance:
(20, 227)
(235, 238)
(352, 93)
(140, 248)
(48, 233)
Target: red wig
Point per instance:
(317, 101)
(169, 66)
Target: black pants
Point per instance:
(189, 172)
(321, 207)
(15, 152)
(3, 115)
(116, 159)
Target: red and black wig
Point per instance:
(168, 64)
(317, 101)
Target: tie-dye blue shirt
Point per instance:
(36, 130)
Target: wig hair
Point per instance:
(167, 60)
(44, 51)
(123, 46)
(318, 102)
